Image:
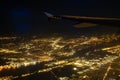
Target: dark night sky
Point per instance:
(39, 23)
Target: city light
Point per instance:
(42, 55)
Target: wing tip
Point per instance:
(48, 14)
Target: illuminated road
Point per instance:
(60, 58)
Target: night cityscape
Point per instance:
(32, 47)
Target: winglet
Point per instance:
(48, 14)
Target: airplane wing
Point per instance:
(83, 21)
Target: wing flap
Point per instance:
(85, 25)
